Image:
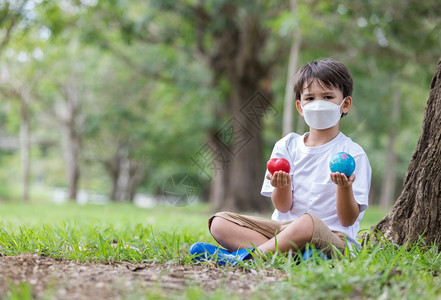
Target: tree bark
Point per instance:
(417, 212)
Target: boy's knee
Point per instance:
(217, 226)
(308, 219)
(307, 226)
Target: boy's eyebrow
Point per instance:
(324, 93)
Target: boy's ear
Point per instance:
(346, 105)
(299, 107)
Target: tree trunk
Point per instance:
(288, 110)
(14, 88)
(25, 145)
(136, 175)
(246, 172)
(418, 209)
(389, 180)
(126, 174)
(123, 176)
(71, 151)
(22, 89)
(68, 116)
(113, 168)
(221, 164)
(114, 189)
(236, 185)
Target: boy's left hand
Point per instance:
(341, 180)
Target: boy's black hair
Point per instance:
(328, 72)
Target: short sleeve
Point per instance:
(361, 185)
(281, 150)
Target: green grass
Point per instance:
(112, 232)
(122, 232)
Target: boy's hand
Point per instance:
(280, 179)
(340, 179)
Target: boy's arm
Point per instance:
(347, 208)
(282, 194)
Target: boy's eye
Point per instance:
(311, 98)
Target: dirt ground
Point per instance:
(62, 279)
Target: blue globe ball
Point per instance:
(342, 162)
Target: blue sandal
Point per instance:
(314, 254)
(206, 251)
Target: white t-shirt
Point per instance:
(312, 188)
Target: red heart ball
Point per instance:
(278, 164)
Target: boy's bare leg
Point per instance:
(233, 237)
(294, 236)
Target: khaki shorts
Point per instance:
(322, 236)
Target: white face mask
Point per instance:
(321, 114)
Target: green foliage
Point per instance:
(141, 78)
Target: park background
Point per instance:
(107, 100)
(174, 106)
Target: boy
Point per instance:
(312, 205)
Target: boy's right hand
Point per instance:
(280, 179)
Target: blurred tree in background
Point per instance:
(117, 96)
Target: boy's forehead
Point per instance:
(316, 85)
